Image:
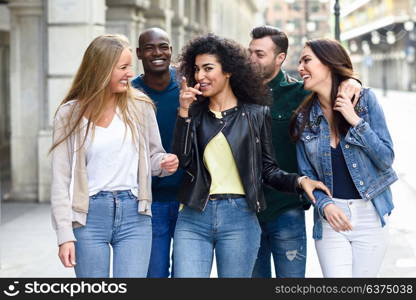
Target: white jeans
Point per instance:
(356, 253)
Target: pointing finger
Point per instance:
(195, 91)
(184, 86)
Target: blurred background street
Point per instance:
(41, 45)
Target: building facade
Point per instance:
(381, 37)
(41, 46)
(301, 20)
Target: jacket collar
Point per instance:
(316, 110)
(173, 83)
(282, 79)
(226, 112)
(316, 116)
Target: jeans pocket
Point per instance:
(94, 197)
(131, 195)
(241, 204)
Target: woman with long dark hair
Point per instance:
(349, 149)
(223, 141)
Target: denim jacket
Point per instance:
(368, 153)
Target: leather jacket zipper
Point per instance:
(206, 202)
(187, 135)
(252, 163)
(190, 174)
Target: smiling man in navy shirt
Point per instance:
(159, 83)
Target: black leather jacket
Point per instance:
(247, 128)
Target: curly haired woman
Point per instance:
(223, 141)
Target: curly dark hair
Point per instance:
(245, 81)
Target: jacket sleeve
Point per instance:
(61, 206)
(157, 152)
(272, 174)
(306, 168)
(373, 137)
(182, 141)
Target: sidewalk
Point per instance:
(28, 244)
(400, 108)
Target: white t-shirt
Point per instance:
(112, 158)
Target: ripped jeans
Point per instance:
(285, 239)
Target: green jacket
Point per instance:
(288, 93)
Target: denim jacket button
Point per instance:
(308, 137)
(354, 165)
(347, 146)
(361, 182)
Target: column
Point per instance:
(27, 93)
(126, 17)
(190, 14)
(178, 26)
(159, 14)
(72, 25)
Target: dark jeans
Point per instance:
(285, 239)
(164, 215)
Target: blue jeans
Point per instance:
(229, 227)
(285, 239)
(113, 220)
(164, 215)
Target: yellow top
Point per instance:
(220, 163)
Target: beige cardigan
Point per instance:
(69, 191)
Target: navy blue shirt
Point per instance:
(344, 187)
(167, 103)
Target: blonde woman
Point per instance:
(106, 146)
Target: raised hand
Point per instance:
(344, 105)
(351, 88)
(187, 95)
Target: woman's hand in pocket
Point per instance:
(336, 218)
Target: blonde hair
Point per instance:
(90, 87)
